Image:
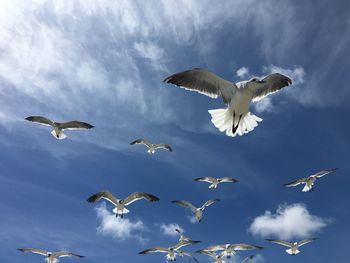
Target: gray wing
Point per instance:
(296, 182)
(228, 180)
(214, 248)
(324, 172)
(138, 196)
(164, 146)
(73, 125)
(185, 204)
(141, 141)
(244, 247)
(154, 250)
(103, 195)
(66, 254)
(210, 202)
(33, 250)
(268, 85)
(245, 260)
(208, 253)
(280, 242)
(185, 243)
(40, 120)
(305, 241)
(204, 82)
(207, 179)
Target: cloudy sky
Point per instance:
(103, 62)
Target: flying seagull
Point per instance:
(245, 260)
(171, 252)
(51, 257)
(59, 127)
(152, 147)
(309, 181)
(214, 182)
(236, 118)
(120, 204)
(198, 211)
(293, 247)
(184, 238)
(213, 255)
(230, 249)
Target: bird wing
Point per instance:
(280, 242)
(210, 202)
(305, 241)
(323, 172)
(103, 195)
(73, 125)
(214, 248)
(185, 204)
(188, 255)
(33, 250)
(296, 182)
(268, 85)
(228, 180)
(154, 250)
(138, 196)
(163, 146)
(66, 254)
(208, 253)
(141, 141)
(185, 243)
(207, 179)
(245, 260)
(204, 82)
(40, 120)
(244, 247)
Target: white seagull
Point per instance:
(184, 238)
(214, 182)
(309, 181)
(152, 147)
(59, 127)
(230, 249)
(120, 204)
(198, 211)
(236, 118)
(293, 247)
(51, 257)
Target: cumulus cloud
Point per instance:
(192, 219)
(242, 72)
(289, 221)
(118, 228)
(169, 229)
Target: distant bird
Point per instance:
(245, 260)
(171, 252)
(120, 204)
(293, 247)
(59, 127)
(51, 257)
(152, 147)
(230, 249)
(214, 182)
(309, 181)
(198, 211)
(236, 119)
(184, 238)
(213, 255)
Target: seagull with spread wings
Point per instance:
(229, 250)
(151, 146)
(198, 211)
(309, 181)
(184, 238)
(51, 257)
(236, 118)
(120, 204)
(293, 248)
(214, 182)
(59, 127)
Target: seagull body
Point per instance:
(229, 250)
(236, 118)
(151, 146)
(310, 181)
(59, 127)
(293, 248)
(214, 182)
(198, 211)
(51, 257)
(120, 204)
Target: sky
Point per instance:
(103, 62)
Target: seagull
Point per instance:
(183, 238)
(152, 147)
(236, 118)
(215, 181)
(120, 204)
(59, 127)
(293, 247)
(213, 255)
(245, 260)
(230, 249)
(309, 181)
(198, 211)
(171, 252)
(51, 257)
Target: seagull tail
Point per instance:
(226, 121)
(59, 136)
(290, 252)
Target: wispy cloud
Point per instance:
(289, 221)
(169, 229)
(242, 72)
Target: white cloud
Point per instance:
(192, 219)
(289, 221)
(118, 228)
(297, 74)
(169, 229)
(242, 72)
(264, 105)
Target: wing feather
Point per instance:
(207, 179)
(280, 242)
(210, 202)
(185, 204)
(41, 120)
(103, 195)
(72, 125)
(141, 141)
(138, 196)
(154, 250)
(164, 146)
(33, 250)
(305, 241)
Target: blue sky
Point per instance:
(103, 62)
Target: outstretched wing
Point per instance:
(228, 180)
(210, 202)
(185, 243)
(204, 82)
(33, 250)
(183, 253)
(207, 179)
(103, 195)
(141, 141)
(280, 242)
(296, 182)
(164, 146)
(244, 247)
(324, 172)
(185, 204)
(208, 253)
(138, 196)
(154, 250)
(268, 85)
(305, 241)
(73, 125)
(245, 260)
(66, 254)
(40, 120)
(213, 248)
